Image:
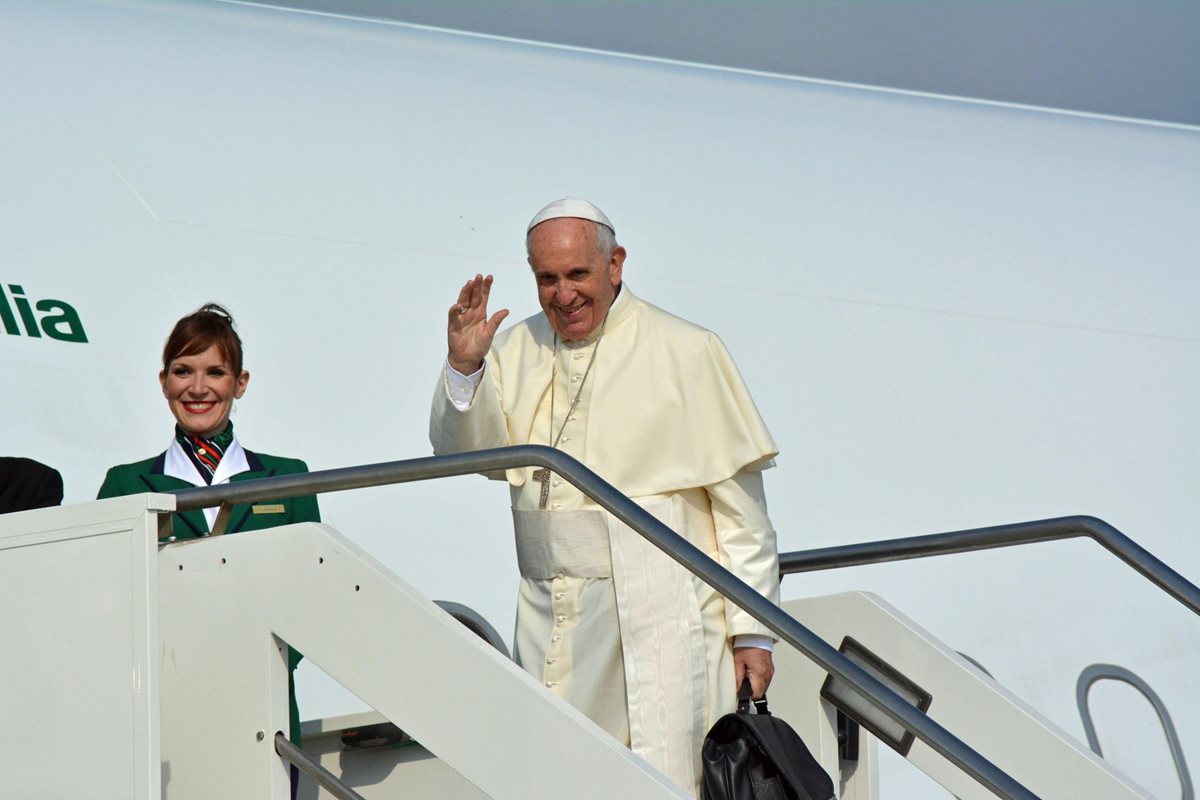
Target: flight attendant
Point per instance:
(201, 376)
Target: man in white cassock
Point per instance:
(654, 405)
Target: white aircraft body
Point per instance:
(951, 313)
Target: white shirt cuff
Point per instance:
(462, 387)
(754, 640)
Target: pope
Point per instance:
(655, 405)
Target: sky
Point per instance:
(1133, 58)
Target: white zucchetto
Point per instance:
(571, 207)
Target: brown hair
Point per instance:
(198, 331)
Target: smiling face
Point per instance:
(200, 389)
(577, 282)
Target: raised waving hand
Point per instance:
(469, 331)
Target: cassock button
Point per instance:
(561, 618)
(574, 379)
(555, 638)
(560, 576)
(551, 684)
(557, 483)
(551, 660)
(558, 595)
(579, 356)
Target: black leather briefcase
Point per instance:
(759, 757)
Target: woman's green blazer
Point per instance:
(147, 476)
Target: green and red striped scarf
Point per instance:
(205, 453)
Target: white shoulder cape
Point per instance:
(669, 409)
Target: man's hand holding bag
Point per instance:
(759, 757)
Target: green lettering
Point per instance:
(6, 315)
(31, 328)
(65, 325)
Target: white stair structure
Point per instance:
(190, 639)
(178, 655)
(79, 691)
(966, 701)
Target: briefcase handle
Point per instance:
(744, 695)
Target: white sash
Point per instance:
(572, 543)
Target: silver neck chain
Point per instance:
(582, 383)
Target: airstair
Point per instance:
(134, 670)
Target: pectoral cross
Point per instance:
(543, 475)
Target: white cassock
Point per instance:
(605, 619)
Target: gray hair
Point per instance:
(606, 240)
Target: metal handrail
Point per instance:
(692, 558)
(1047, 530)
(306, 764)
(1099, 672)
